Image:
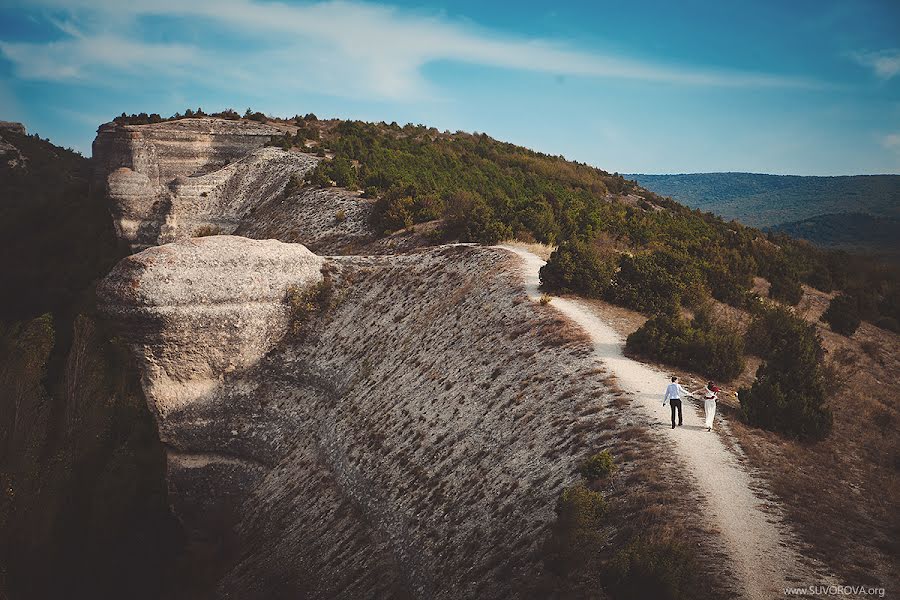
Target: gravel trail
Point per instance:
(760, 546)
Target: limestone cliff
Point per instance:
(405, 434)
(167, 180)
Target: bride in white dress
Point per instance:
(710, 397)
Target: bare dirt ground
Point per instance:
(759, 543)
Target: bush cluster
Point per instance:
(658, 568)
(788, 395)
(420, 174)
(842, 314)
(338, 171)
(577, 267)
(701, 345)
(598, 466)
(576, 539)
(306, 302)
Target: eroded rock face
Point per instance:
(202, 308)
(410, 441)
(165, 181)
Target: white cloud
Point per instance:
(891, 141)
(884, 63)
(336, 47)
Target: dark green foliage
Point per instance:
(469, 218)
(785, 282)
(55, 237)
(293, 185)
(337, 171)
(598, 466)
(652, 569)
(842, 314)
(703, 346)
(415, 172)
(655, 282)
(580, 268)
(788, 395)
(573, 548)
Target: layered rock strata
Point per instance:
(172, 180)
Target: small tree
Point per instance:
(788, 395)
(843, 314)
(578, 267)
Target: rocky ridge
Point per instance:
(409, 440)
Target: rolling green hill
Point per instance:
(766, 200)
(812, 208)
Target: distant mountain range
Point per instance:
(859, 212)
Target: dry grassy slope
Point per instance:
(842, 493)
(327, 221)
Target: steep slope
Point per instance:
(81, 468)
(410, 439)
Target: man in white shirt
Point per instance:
(674, 392)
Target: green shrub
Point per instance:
(703, 346)
(306, 302)
(338, 171)
(842, 314)
(578, 267)
(598, 466)
(785, 283)
(207, 230)
(654, 282)
(469, 218)
(652, 569)
(577, 537)
(788, 395)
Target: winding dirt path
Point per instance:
(756, 539)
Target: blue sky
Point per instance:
(800, 87)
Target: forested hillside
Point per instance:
(762, 200)
(484, 190)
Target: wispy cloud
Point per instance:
(891, 141)
(337, 47)
(884, 63)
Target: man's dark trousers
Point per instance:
(676, 403)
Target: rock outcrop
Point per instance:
(13, 126)
(168, 180)
(401, 428)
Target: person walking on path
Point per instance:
(674, 393)
(710, 397)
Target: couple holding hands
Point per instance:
(674, 394)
